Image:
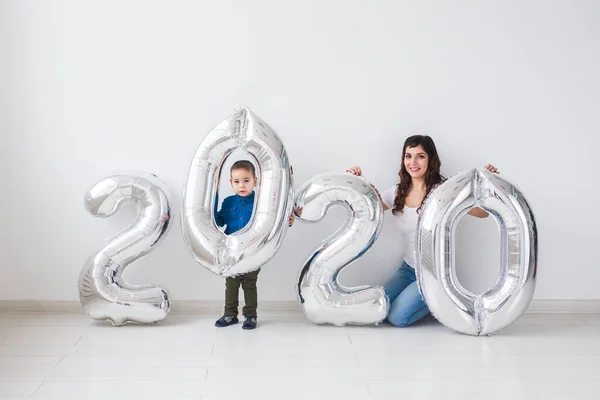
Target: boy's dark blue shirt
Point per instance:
(235, 212)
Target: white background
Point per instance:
(88, 88)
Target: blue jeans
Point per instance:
(407, 304)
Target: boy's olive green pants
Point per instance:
(232, 291)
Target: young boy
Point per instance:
(235, 212)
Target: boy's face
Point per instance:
(242, 182)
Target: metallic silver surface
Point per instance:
(508, 298)
(251, 247)
(322, 298)
(103, 293)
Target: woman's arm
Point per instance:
(385, 207)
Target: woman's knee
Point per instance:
(408, 317)
(408, 308)
(400, 322)
(399, 317)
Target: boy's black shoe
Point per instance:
(226, 320)
(249, 323)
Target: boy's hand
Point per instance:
(293, 216)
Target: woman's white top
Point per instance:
(407, 223)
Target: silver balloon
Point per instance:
(510, 295)
(322, 298)
(251, 247)
(103, 293)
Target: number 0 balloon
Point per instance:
(509, 297)
(251, 247)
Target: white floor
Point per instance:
(68, 356)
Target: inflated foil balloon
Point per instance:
(509, 297)
(103, 293)
(322, 298)
(248, 249)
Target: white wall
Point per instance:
(90, 88)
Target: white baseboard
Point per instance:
(204, 306)
(564, 306)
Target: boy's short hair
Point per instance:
(244, 164)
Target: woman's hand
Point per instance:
(355, 171)
(492, 169)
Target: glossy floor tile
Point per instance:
(68, 356)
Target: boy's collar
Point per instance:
(249, 197)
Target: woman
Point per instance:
(419, 175)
